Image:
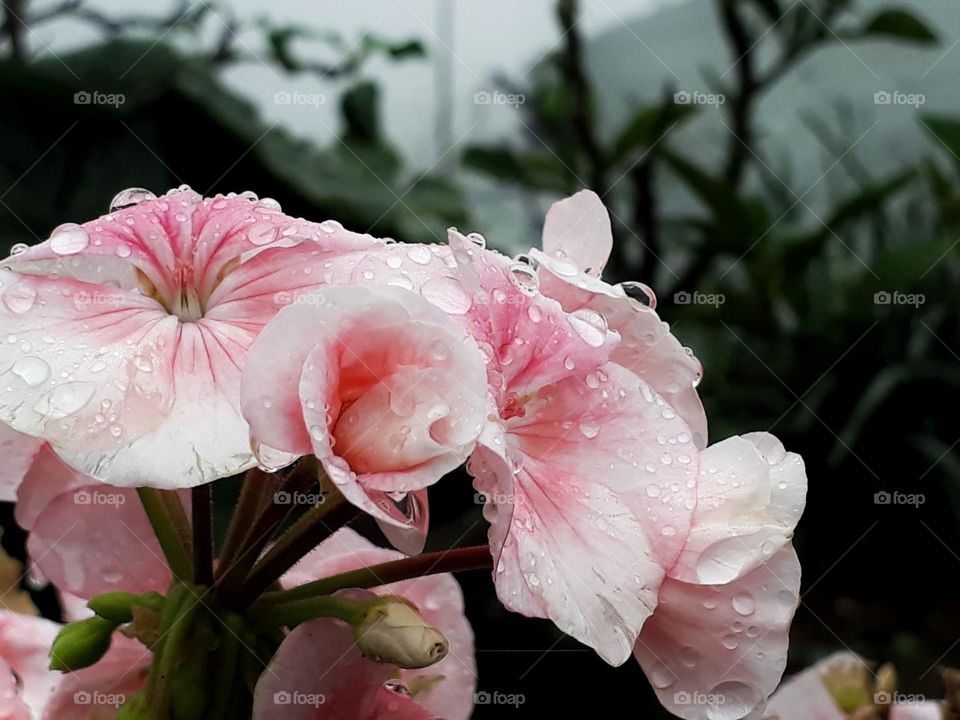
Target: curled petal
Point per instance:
(750, 495)
(716, 652)
(578, 228)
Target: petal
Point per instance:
(717, 652)
(319, 671)
(24, 648)
(17, 452)
(382, 386)
(647, 347)
(928, 710)
(750, 495)
(439, 600)
(95, 692)
(578, 228)
(75, 373)
(805, 696)
(88, 538)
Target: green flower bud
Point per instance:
(81, 644)
(392, 631)
(117, 607)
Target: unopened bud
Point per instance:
(392, 631)
(117, 607)
(81, 644)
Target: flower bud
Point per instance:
(81, 644)
(117, 607)
(392, 631)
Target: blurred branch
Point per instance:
(13, 26)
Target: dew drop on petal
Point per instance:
(18, 248)
(639, 292)
(32, 370)
(68, 239)
(590, 326)
(262, 233)
(129, 197)
(19, 298)
(419, 254)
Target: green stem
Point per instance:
(468, 558)
(291, 614)
(309, 530)
(268, 521)
(166, 664)
(244, 515)
(171, 528)
(171, 610)
(228, 659)
(202, 510)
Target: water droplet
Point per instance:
(419, 254)
(262, 233)
(68, 239)
(18, 248)
(743, 603)
(65, 400)
(130, 197)
(639, 292)
(661, 676)
(19, 298)
(590, 326)
(269, 203)
(447, 294)
(589, 427)
(525, 278)
(478, 240)
(32, 370)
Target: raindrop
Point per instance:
(68, 239)
(419, 254)
(639, 292)
(447, 294)
(269, 203)
(743, 603)
(590, 326)
(262, 233)
(477, 239)
(18, 249)
(130, 197)
(20, 298)
(524, 277)
(32, 370)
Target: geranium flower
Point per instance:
(126, 335)
(716, 646)
(588, 473)
(385, 389)
(319, 670)
(837, 688)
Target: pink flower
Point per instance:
(127, 334)
(716, 645)
(576, 244)
(385, 389)
(25, 681)
(811, 694)
(589, 474)
(320, 672)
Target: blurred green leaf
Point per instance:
(945, 131)
(527, 169)
(647, 126)
(899, 24)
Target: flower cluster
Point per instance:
(179, 340)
